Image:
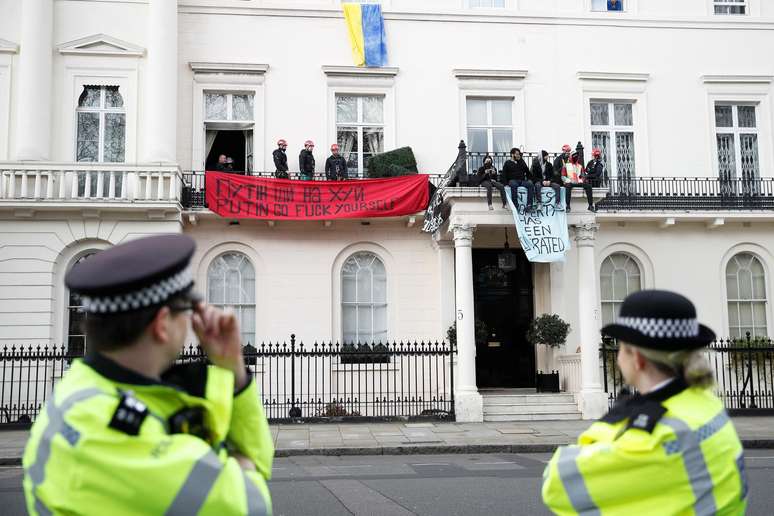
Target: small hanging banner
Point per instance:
(543, 233)
(245, 197)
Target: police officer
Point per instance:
(671, 448)
(126, 431)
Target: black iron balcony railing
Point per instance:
(687, 193)
(194, 183)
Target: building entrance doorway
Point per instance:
(504, 309)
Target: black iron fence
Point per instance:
(687, 193)
(317, 382)
(194, 185)
(744, 373)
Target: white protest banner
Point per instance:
(543, 233)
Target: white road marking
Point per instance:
(431, 464)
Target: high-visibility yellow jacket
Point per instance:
(110, 441)
(670, 452)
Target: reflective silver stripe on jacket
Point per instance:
(573, 482)
(55, 425)
(200, 481)
(688, 443)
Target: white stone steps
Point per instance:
(532, 417)
(527, 399)
(548, 408)
(505, 406)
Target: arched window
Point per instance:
(364, 299)
(619, 277)
(76, 332)
(746, 296)
(231, 284)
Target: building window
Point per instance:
(487, 3)
(359, 129)
(76, 317)
(612, 131)
(619, 277)
(101, 125)
(231, 285)
(607, 5)
(490, 124)
(364, 300)
(737, 141)
(229, 120)
(746, 295)
(228, 107)
(730, 6)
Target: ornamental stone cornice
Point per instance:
(8, 47)
(585, 233)
(229, 68)
(463, 234)
(101, 45)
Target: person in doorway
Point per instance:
(486, 177)
(306, 161)
(541, 175)
(281, 160)
(129, 431)
(336, 165)
(220, 166)
(229, 167)
(595, 170)
(573, 176)
(516, 174)
(669, 449)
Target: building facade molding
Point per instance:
(737, 79)
(202, 67)
(481, 74)
(613, 76)
(357, 71)
(101, 45)
(8, 47)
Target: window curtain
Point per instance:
(248, 150)
(210, 136)
(346, 142)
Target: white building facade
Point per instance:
(110, 110)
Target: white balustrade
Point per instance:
(88, 182)
(569, 372)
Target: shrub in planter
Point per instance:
(548, 329)
(482, 333)
(398, 162)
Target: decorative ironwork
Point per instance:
(316, 382)
(744, 373)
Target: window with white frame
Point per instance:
(359, 129)
(730, 6)
(612, 132)
(608, 5)
(736, 131)
(746, 296)
(101, 120)
(76, 318)
(487, 3)
(490, 124)
(364, 299)
(229, 107)
(619, 276)
(231, 285)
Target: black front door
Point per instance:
(504, 309)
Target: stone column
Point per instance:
(593, 402)
(160, 86)
(36, 50)
(468, 404)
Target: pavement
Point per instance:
(399, 438)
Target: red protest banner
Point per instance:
(246, 197)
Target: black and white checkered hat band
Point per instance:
(148, 296)
(662, 328)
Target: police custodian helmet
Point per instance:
(139, 274)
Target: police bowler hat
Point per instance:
(660, 320)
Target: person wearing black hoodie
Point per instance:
(335, 165)
(515, 174)
(542, 173)
(306, 161)
(486, 177)
(280, 160)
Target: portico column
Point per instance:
(593, 402)
(33, 115)
(160, 86)
(468, 404)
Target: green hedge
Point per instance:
(398, 162)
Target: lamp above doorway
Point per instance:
(506, 260)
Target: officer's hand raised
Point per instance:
(219, 336)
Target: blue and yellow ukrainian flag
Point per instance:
(365, 26)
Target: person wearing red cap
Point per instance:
(306, 161)
(336, 165)
(562, 159)
(595, 170)
(573, 176)
(281, 160)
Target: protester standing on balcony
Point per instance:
(335, 165)
(128, 432)
(595, 170)
(669, 449)
(306, 161)
(486, 176)
(541, 174)
(515, 174)
(573, 176)
(281, 160)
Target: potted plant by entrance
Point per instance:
(552, 331)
